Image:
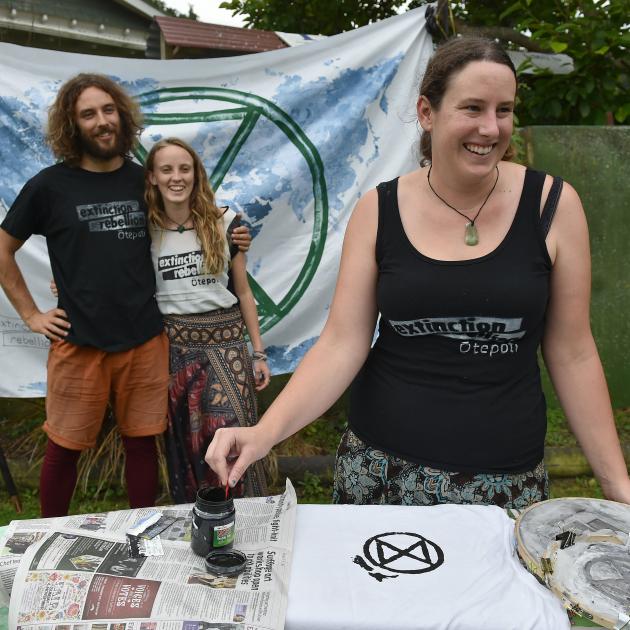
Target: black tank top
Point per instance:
(452, 381)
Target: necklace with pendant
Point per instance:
(471, 236)
(180, 226)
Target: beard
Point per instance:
(91, 147)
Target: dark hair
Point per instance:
(449, 58)
(63, 132)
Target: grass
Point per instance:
(559, 434)
(24, 440)
(575, 487)
(82, 503)
(318, 438)
(311, 489)
(314, 488)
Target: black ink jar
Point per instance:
(213, 519)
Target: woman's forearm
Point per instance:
(247, 303)
(581, 388)
(249, 311)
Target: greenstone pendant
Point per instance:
(181, 229)
(472, 236)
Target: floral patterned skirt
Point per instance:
(366, 475)
(210, 386)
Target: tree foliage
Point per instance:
(594, 33)
(314, 17)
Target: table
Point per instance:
(323, 569)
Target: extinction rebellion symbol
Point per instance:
(399, 552)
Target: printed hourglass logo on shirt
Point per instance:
(399, 553)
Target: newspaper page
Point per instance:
(74, 578)
(20, 535)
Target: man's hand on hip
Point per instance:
(53, 324)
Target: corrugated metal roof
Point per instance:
(193, 34)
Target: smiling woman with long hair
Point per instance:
(205, 298)
(471, 272)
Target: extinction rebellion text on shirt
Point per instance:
(123, 217)
(477, 335)
(186, 265)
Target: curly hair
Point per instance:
(206, 216)
(63, 133)
(450, 58)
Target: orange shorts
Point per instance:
(82, 380)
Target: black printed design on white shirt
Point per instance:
(395, 553)
(179, 266)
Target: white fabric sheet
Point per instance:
(290, 138)
(479, 585)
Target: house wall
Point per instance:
(123, 32)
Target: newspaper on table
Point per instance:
(75, 573)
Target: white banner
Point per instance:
(291, 138)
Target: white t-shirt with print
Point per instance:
(448, 567)
(182, 287)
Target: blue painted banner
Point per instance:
(291, 139)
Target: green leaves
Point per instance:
(594, 33)
(622, 113)
(558, 47)
(325, 17)
(515, 7)
(556, 108)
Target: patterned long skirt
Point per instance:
(366, 475)
(211, 386)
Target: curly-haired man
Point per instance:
(107, 341)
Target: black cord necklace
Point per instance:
(471, 236)
(180, 226)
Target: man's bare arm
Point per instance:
(54, 323)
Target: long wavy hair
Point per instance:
(449, 58)
(206, 216)
(64, 136)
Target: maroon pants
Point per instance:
(59, 475)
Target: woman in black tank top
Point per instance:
(470, 276)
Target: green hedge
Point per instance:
(595, 161)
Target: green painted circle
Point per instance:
(249, 108)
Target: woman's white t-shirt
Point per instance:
(182, 287)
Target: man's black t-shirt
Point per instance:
(95, 226)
